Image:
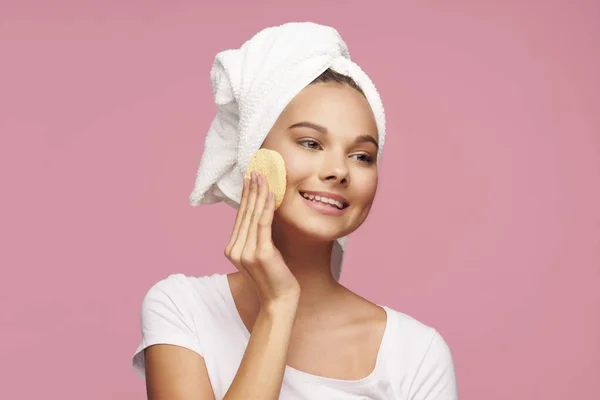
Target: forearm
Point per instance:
(261, 371)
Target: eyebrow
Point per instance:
(323, 130)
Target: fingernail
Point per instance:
(260, 180)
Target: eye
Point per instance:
(310, 144)
(365, 158)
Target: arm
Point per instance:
(172, 360)
(177, 373)
(261, 371)
(252, 251)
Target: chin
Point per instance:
(318, 232)
(310, 231)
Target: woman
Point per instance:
(283, 326)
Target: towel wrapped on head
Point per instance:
(252, 86)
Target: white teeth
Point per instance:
(325, 200)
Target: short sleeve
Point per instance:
(435, 378)
(166, 318)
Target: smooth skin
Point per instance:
(297, 314)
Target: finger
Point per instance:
(245, 224)
(265, 222)
(242, 208)
(261, 199)
(239, 217)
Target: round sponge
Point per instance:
(271, 166)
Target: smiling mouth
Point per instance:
(325, 200)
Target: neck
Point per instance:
(310, 262)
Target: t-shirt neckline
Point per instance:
(305, 376)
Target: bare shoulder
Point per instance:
(364, 320)
(363, 311)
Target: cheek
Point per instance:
(365, 186)
(299, 167)
(298, 164)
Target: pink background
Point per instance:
(486, 225)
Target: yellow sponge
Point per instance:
(271, 166)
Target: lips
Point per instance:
(330, 199)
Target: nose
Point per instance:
(335, 170)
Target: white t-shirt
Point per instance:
(199, 313)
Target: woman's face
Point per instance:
(328, 138)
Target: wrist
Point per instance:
(286, 305)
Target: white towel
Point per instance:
(251, 87)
